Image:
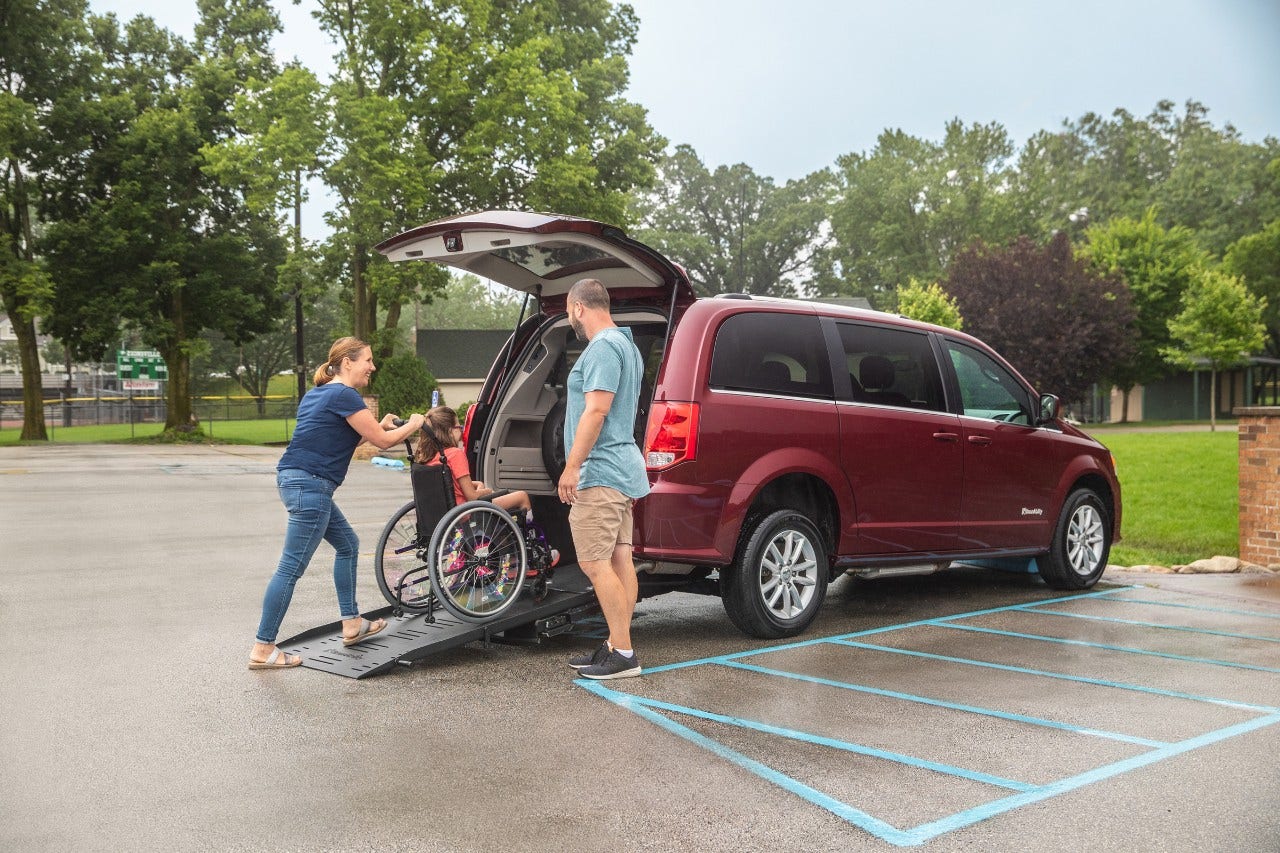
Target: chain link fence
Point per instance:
(72, 411)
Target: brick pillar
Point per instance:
(1259, 484)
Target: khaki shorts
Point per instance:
(600, 520)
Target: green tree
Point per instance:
(1256, 259)
(929, 304)
(1158, 265)
(735, 231)
(280, 140)
(1062, 323)
(904, 210)
(1219, 186)
(1221, 324)
(403, 385)
(1098, 168)
(440, 107)
(466, 303)
(45, 61)
(147, 238)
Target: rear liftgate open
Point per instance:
(414, 636)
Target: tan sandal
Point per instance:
(278, 659)
(367, 630)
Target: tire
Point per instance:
(477, 559)
(1077, 556)
(553, 455)
(399, 555)
(779, 579)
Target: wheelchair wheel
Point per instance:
(398, 565)
(477, 559)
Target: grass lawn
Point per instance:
(225, 432)
(1181, 495)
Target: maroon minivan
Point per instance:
(787, 441)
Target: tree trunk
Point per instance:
(178, 391)
(362, 323)
(387, 348)
(1124, 405)
(32, 380)
(179, 418)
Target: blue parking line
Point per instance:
(1119, 685)
(968, 817)
(857, 817)
(1141, 624)
(844, 746)
(869, 632)
(1126, 649)
(659, 712)
(951, 706)
(1155, 603)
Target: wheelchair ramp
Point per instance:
(412, 637)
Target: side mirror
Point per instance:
(1049, 406)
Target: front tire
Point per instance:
(477, 560)
(776, 586)
(1081, 543)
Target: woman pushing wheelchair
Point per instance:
(332, 420)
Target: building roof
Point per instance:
(460, 353)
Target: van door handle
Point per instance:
(982, 440)
(946, 436)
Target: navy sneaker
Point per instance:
(594, 658)
(614, 666)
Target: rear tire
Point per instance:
(778, 581)
(1081, 543)
(399, 555)
(477, 558)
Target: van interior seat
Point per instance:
(877, 375)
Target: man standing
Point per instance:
(604, 473)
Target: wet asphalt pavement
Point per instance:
(967, 710)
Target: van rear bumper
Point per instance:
(679, 522)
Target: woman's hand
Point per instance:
(389, 421)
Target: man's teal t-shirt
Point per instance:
(612, 363)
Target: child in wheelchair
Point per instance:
(441, 434)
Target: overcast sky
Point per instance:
(787, 87)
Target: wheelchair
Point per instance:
(474, 559)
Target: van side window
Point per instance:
(987, 390)
(892, 367)
(773, 353)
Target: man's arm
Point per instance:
(597, 408)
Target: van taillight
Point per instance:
(466, 424)
(671, 436)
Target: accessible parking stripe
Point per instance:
(1087, 644)
(661, 712)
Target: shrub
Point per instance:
(403, 385)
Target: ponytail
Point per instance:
(436, 434)
(347, 347)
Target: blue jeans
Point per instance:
(312, 516)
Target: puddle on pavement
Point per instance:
(1268, 585)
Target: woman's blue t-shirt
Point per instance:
(323, 441)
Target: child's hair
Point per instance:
(436, 434)
(347, 347)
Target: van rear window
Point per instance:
(773, 353)
(557, 258)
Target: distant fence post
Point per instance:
(1259, 484)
